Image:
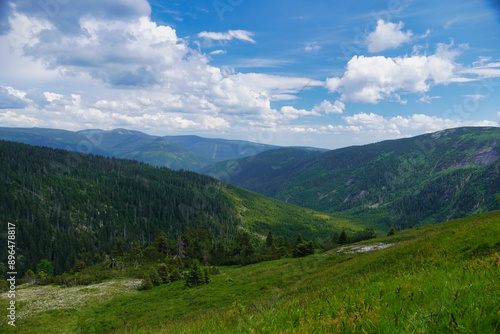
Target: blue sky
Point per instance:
(314, 73)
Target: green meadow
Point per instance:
(442, 278)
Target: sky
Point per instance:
(317, 73)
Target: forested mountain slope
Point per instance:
(412, 181)
(175, 152)
(62, 202)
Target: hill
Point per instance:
(412, 181)
(62, 202)
(434, 279)
(176, 152)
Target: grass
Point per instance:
(443, 278)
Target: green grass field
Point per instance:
(443, 278)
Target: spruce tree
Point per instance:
(342, 238)
(155, 277)
(195, 275)
(146, 282)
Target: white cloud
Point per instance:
(312, 47)
(11, 99)
(414, 122)
(475, 96)
(328, 108)
(428, 99)
(386, 36)
(227, 36)
(132, 72)
(372, 79)
(217, 52)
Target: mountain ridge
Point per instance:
(410, 181)
(175, 152)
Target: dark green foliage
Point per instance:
(302, 248)
(147, 283)
(155, 277)
(206, 275)
(269, 240)
(214, 271)
(392, 231)
(164, 273)
(366, 234)
(195, 275)
(63, 202)
(44, 266)
(29, 277)
(412, 181)
(342, 238)
(3, 284)
(243, 246)
(175, 275)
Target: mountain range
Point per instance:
(62, 202)
(401, 183)
(404, 182)
(175, 152)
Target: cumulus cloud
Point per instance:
(137, 74)
(386, 36)
(66, 15)
(10, 99)
(372, 79)
(397, 124)
(328, 108)
(227, 36)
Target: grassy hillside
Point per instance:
(62, 202)
(404, 182)
(435, 279)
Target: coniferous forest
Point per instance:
(65, 203)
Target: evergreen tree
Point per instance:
(44, 266)
(164, 273)
(146, 282)
(342, 238)
(269, 240)
(392, 231)
(195, 275)
(206, 275)
(154, 276)
(175, 275)
(29, 277)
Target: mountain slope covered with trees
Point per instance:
(412, 181)
(63, 202)
(175, 152)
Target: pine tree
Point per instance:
(175, 275)
(342, 238)
(195, 275)
(206, 276)
(269, 240)
(146, 283)
(164, 273)
(392, 231)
